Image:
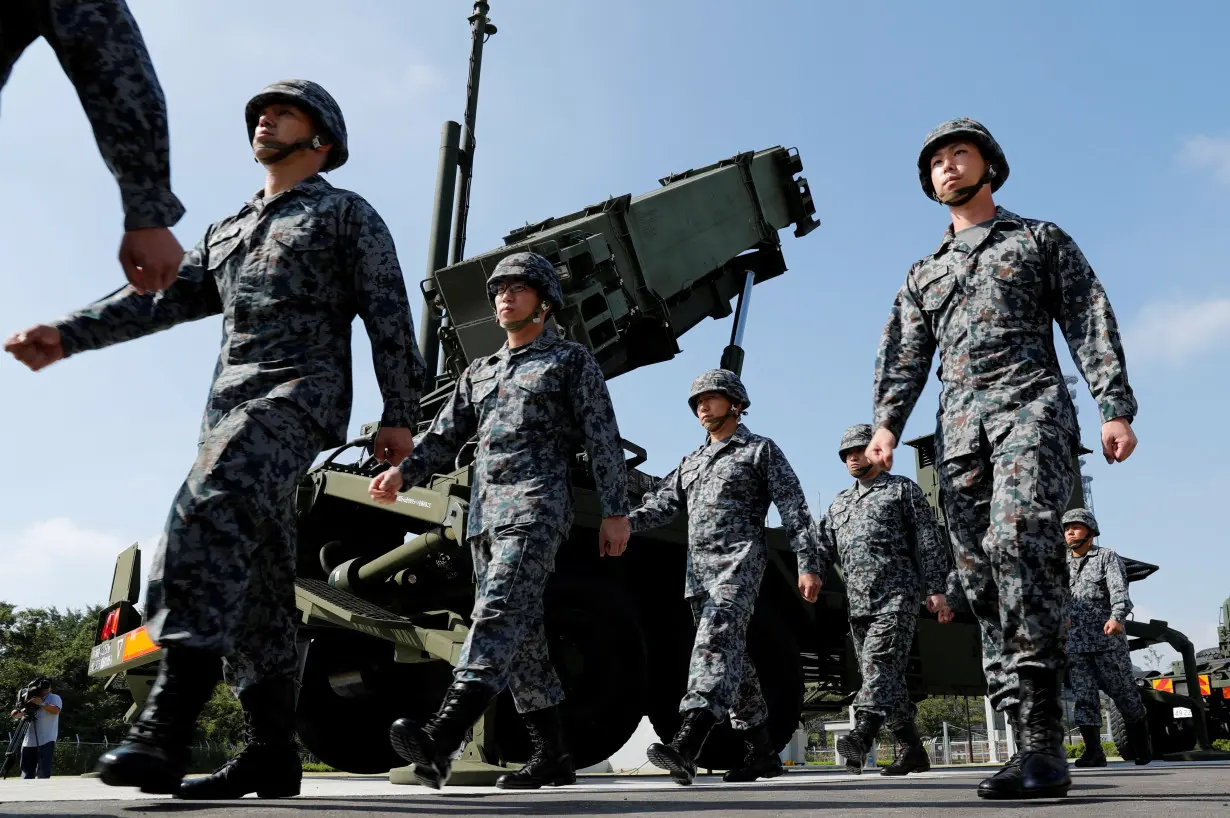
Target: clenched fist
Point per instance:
(36, 347)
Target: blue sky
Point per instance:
(1113, 125)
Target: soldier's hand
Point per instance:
(393, 444)
(1113, 627)
(944, 614)
(384, 486)
(880, 450)
(810, 585)
(150, 257)
(935, 602)
(613, 536)
(1118, 440)
(36, 347)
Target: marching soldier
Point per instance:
(884, 533)
(725, 487)
(288, 272)
(988, 298)
(531, 405)
(100, 48)
(1097, 645)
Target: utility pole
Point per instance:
(453, 173)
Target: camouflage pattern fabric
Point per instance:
(223, 575)
(1110, 670)
(721, 678)
(725, 488)
(507, 644)
(882, 648)
(1006, 424)
(289, 275)
(530, 409)
(888, 544)
(1098, 592)
(101, 50)
(1003, 506)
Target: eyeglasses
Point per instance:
(516, 288)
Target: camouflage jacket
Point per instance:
(1099, 592)
(289, 275)
(990, 310)
(103, 53)
(888, 543)
(725, 488)
(530, 409)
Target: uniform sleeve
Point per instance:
(659, 506)
(101, 49)
(594, 415)
(1117, 588)
(954, 593)
(902, 362)
(826, 544)
(385, 309)
(438, 446)
(1083, 312)
(930, 547)
(787, 495)
(127, 314)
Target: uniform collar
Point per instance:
(1093, 549)
(1002, 216)
(310, 186)
(546, 339)
(738, 438)
(879, 482)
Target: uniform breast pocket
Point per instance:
(537, 387)
(1012, 281)
(935, 287)
(301, 259)
(482, 388)
(688, 475)
(223, 248)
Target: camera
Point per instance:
(30, 691)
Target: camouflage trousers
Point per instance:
(223, 576)
(720, 676)
(1003, 506)
(1110, 670)
(507, 642)
(882, 647)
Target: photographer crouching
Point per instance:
(39, 710)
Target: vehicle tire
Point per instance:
(1118, 733)
(1208, 653)
(597, 648)
(352, 691)
(773, 651)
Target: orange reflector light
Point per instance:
(111, 625)
(1206, 689)
(137, 643)
(1166, 685)
(1225, 692)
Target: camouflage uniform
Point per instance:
(1006, 426)
(530, 408)
(891, 553)
(289, 275)
(725, 488)
(100, 48)
(1099, 593)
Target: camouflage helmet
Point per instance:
(857, 436)
(1083, 516)
(962, 128)
(722, 381)
(534, 270)
(323, 109)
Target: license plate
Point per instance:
(1182, 713)
(100, 657)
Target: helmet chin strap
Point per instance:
(285, 149)
(963, 195)
(536, 317)
(1085, 540)
(715, 423)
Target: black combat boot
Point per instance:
(429, 748)
(154, 754)
(1044, 762)
(857, 743)
(1138, 737)
(679, 756)
(761, 761)
(1094, 755)
(551, 764)
(269, 764)
(911, 755)
(1006, 782)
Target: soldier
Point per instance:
(1097, 645)
(532, 405)
(725, 487)
(988, 298)
(884, 533)
(288, 272)
(101, 50)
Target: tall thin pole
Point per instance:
(437, 249)
(481, 29)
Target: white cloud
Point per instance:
(1176, 331)
(1207, 152)
(58, 563)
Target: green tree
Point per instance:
(934, 711)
